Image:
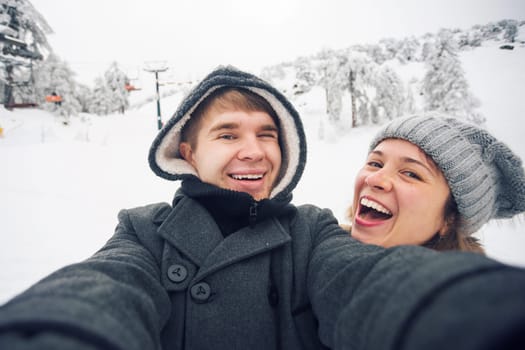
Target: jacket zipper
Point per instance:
(253, 214)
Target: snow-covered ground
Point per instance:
(62, 186)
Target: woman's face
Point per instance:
(399, 196)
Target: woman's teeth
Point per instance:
(376, 206)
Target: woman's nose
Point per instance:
(379, 180)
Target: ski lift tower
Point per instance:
(156, 67)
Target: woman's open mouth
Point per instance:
(370, 210)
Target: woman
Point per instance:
(434, 181)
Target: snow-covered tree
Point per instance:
(390, 46)
(101, 103)
(20, 20)
(375, 92)
(54, 76)
(470, 38)
(109, 93)
(116, 81)
(360, 70)
(333, 69)
(389, 94)
(490, 31)
(306, 76)
(409, 102)
(511, 30)
(84, 96)
(272, 73)
(408, 49)
(23, 39)
(445, 87)
(333, 81)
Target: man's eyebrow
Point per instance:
(270, 127)
(222, 126)
(231, 126)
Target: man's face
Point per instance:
(236, 150)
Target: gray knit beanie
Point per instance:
(485, 177)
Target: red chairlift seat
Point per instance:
(53, 98)
(129, 87)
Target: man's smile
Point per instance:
(249, 177)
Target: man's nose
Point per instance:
(251, 149)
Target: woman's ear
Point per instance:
(448, 223)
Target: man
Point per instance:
(233, 265)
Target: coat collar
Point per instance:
(193, 232)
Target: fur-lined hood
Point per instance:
(166, 161)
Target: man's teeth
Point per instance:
(248, 177)
(376, 206)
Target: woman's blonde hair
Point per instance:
(453, 238)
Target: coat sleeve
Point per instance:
(367, 297)
(113, 300)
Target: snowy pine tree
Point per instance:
(472, 38)
(54, 76)
(23, 31)
(19, 19)
(408, 49)
(101, 103)
(360, 70)
(109, 93)
(333, 80)
(511, 30)
(390, 47)
(390, 94)
(409, 102)
(376, 93)
(445, 87)
(84, 96)
(116, 80)
(305, 75)
(272, 73)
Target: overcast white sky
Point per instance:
(194, 36)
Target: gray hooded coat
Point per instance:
(291, 279)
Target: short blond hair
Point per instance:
(225, 99)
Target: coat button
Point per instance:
(177, 273)
(200, 292)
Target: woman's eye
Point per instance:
(374, 164)
(412, 175)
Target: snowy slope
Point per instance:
(62, 186)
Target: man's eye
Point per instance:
(268, 135)
(227, 137)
